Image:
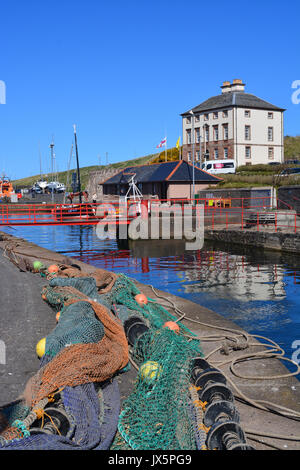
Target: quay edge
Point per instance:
(201, 321)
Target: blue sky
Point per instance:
(123, 71)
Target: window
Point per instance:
(225, 131)
(270, 115)
(197, 132)
(247, 113)
(247, 152)
(225, 114)
(197, 118)
(207, 133)
(216, 132)
(189, 156)
(247, 132)
(225, 152)
(216, 114)
(270, 134)
(197, 155)
(206, 116)
(216, 153)
(188, 136)
(270, 153)
(188, 120)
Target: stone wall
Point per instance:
(289, 242)
(94, 185)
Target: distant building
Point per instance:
(233, 125)
(162, 180)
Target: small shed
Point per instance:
(168, 180)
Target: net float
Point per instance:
(37, 265)
(141, 299)
(40, 347)
(53, 268)
(172, 325)
(150, 371)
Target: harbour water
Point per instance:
(258, 290)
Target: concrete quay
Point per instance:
(25, 318)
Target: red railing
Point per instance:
(228, 213)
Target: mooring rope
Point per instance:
(235, 343)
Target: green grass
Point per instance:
(62, 176)
(246, 176)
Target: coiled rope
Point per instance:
(242, 340)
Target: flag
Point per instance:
(162, 143)
(178, 143)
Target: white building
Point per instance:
(234, 125)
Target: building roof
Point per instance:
(177, 171)
(233, 99)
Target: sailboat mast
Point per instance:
(51, 147)
(77, 161)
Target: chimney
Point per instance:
(238, 85)
(226, 87)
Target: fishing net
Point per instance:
(93, 414)
(157, 414)
(85, 352)
(77, 324)
(82, 363)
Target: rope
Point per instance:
(235, 343)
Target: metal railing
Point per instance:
(241, 213)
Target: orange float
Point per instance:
(141, 299)
(172, 325)
(53, 268)
(57, 316)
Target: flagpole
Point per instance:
(166, 158)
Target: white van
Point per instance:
(219, 166)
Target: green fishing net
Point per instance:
(157, 414)
(77, 324)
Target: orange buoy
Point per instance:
(57, 316)
(44, 297)
(172, 325)
(53, 268)
(141, 299)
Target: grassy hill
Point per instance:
(62, 176)
(254, 175)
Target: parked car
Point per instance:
(290, 172)
(293, 162)
(36, 189)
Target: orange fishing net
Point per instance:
(104, 279)
(78, 364)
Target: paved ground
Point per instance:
(25, 318)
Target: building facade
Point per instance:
(233, 125)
